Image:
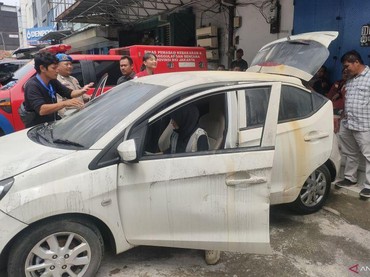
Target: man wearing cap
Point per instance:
(64, 69)
(40, 104)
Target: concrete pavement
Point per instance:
(332, 242)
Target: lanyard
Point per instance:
(49, 88)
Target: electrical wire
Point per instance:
(261, 6)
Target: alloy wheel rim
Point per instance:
(60, 254)
(314, 189)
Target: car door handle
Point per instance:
(315, 135)
(249, 181)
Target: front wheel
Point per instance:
(314, 192)
(61, 248)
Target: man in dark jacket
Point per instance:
(126, 65)
(40, 104)
(239, 62)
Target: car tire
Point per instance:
(314, 192)
(57, 247)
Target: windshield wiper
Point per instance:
(44, 132)
(68, 142)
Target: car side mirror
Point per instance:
(127, 151)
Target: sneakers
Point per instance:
(365, 193)
(345, 183)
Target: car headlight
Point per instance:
(5, 186)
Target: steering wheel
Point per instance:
(99, 89)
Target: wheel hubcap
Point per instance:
(60, 254)
(314, 189)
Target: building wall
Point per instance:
(27, 18)
(42, 13)
(9, 38)
(209, 14)
(254, 31)
(346, 17)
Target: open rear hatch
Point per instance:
(299, 56)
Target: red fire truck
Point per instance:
(90, 68)
(169, 58)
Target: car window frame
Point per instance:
(112, 79)
(227, 90)
(312, 96)
(77, 64)
(179, 104)
(254, 131)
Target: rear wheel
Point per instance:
(314, 192)
(63, 248)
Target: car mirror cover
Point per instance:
(127, 150)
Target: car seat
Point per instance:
(214, 123)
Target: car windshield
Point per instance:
(85, 127)
(305, 55)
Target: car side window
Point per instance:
(77, 73)
(257, 100)
(294, 104)
(210, 118)
(110, 67)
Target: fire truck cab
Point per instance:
(90, 68)
(170, 58)
(87, 68)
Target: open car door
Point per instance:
(212, 200)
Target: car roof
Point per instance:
(192, 78)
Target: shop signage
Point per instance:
(365, 35)
(34, 34)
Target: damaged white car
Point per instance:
(101, 178)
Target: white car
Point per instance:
(68, 188)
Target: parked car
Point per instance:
(89, 181)
(8, 67)
(86, 68)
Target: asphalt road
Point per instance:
(326, 243)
